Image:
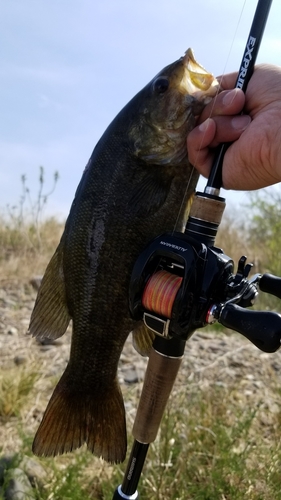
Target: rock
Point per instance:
(47, 343)
(19, 360)
(35, 472)
(133, 375)
(5, 463)
(11, 330)
(18, 486)
(16, 482)
(36, 282)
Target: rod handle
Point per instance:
(159, 379)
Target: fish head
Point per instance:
(168, 108)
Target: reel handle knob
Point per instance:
(262, 328)
(270, 284)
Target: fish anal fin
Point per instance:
(50, 316)
(143, 339)
(75, 417)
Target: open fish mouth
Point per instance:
(196, 80)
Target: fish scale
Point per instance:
(131, 190)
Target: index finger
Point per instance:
(228, 102)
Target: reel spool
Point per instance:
(160, 293)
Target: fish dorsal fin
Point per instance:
(50, 316)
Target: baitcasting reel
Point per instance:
(180, 284)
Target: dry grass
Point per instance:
(15, 386)
(25, 251)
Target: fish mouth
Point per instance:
(196, 81)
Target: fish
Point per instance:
(137, 184)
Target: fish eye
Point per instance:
(161, 84)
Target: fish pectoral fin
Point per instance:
(143, 339)
(149, 194)
(50, 316)
(77, 416)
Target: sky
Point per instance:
(68, 66)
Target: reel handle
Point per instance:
(262, 328)
(270, 284)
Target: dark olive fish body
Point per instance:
(130, 191)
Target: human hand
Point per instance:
(253, 160)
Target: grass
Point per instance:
(209, 449)
(21, 252)
(213, 445)
(15, 386)
(27, 238)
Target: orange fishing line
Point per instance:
(160, 293)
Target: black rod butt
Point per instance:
(119, 495)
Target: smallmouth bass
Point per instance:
(131, 190)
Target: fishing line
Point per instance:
(210, 114)
(231, 47)
(160, 293)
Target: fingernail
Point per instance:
(229, 97)
(203, 127)
(241, 122)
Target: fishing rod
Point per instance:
(182, 282)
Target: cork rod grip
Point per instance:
(159, 379)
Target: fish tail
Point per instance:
(74, 417)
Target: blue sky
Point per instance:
(68, 66)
